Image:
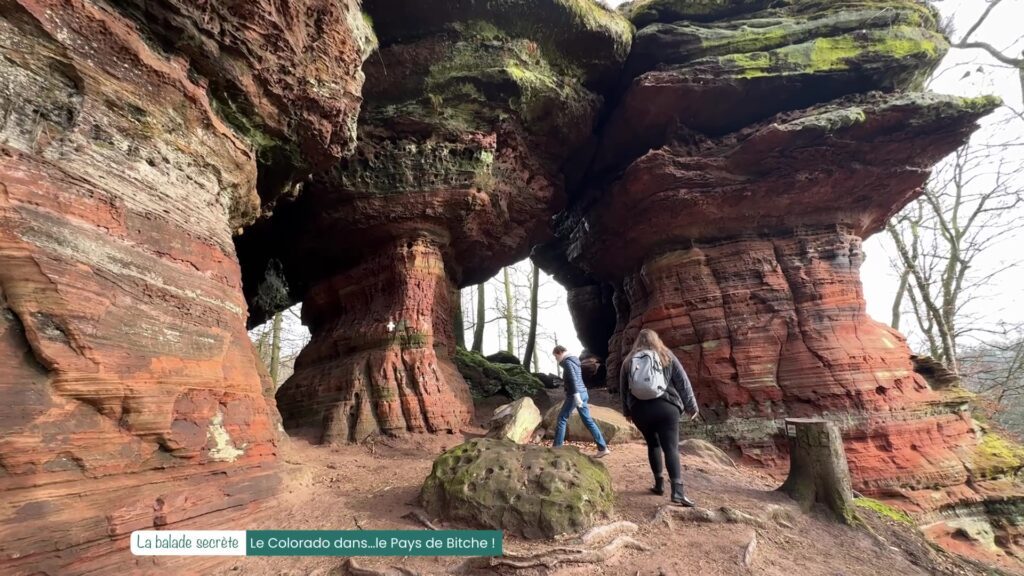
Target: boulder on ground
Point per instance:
(527, 490)
(545, 398)
(614, 426)
(706, 451)
(487, 378)
(550, 381)
(503, 357)
(515, 421)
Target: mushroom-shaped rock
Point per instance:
(527, 490)
(465, 128)
(752, 147)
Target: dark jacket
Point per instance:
(572, 375)
(679, 393)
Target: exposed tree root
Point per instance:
(565, 555)
(621, 528)
(729, 515)
(420, 517)
(748, 552)
(782, 516)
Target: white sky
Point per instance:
(1001, 30)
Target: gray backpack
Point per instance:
(646, 376)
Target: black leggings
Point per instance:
(658, 421)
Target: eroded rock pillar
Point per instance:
(379, 358)
(131, 395)
(776, 327)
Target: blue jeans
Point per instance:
(563, 421)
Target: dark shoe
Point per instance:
(659, 486)
(679, 498)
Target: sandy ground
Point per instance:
(374, 486)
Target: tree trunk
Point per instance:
(275, 350)
(510, 316)
(460, 329)
(897, 302)
(481, 319)
(531, 338)
(818, 472)
(261, 347)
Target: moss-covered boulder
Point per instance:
(613, 425)
(530, 491)
(502, 357)
(995, 457)
(515, 421)
(488, 378)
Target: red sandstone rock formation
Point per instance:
(379, 357)
(465, 127)
(724, 205)
(735, 179)
(132, 397)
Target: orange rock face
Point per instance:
(131, 395)
(730, 190)
(775, 328)
(463, 136)
(378, 361)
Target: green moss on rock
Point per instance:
(267, 147)
(884, 510)
(466, 88)
(644, 12)
(898, 57)
(580, 37)
(996, 456)
(478, 81)
(527, 490)
(487, 378)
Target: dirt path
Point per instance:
(373, 486)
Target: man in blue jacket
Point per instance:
(575, 397)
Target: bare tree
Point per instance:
(510, 315)
(481, 318)
(995, 371)
(968, 42)
(531, 339)
(967, 207)
(275, 349)
(291, 337)
(529, 294)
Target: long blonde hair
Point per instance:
(648, 339)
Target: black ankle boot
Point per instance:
(659, 485)
(678, 497)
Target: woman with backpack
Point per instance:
(655, 392)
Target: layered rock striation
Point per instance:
(743, 150)
(752, 147)
(469, 114)
(132, 397)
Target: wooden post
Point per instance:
(818, 472)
